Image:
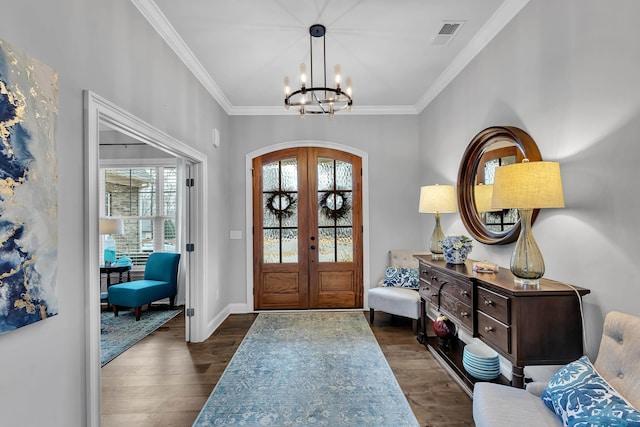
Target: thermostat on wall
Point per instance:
(216, 137)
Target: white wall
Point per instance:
(567, 73)
(109, 48)
(394, 186)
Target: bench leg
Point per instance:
(138, 312)
(371, 311)
(172, 301)
(415, 327)
(115, 310)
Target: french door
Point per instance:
(307, 229)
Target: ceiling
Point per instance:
(241, 50)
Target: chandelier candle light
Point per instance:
(527, 186)
(318, 99)
(437, 199)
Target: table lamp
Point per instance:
(482, 195)
(437, 199)
(527, 186)
(108, 227)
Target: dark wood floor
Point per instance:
(163, 381)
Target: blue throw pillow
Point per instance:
(581, 397)
(401, 277)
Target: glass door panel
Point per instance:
(280, 211)
(335, 210)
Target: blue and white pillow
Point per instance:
(401, 277)
(581, 397)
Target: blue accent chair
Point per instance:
(160, 281)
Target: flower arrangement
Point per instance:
(456, 249)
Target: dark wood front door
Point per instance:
(307, 229)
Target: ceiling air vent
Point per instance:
(448, 30)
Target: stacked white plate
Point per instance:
(481, 362)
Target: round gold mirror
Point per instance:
(493, 147)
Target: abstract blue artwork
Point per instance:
(28, 189)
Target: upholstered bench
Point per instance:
(160, 281)
(397, 300)
(577, 391)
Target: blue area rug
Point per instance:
(308, 369)
(118, 334)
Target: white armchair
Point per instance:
(397, 301)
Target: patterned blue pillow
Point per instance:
(401, 277)
(581, 397)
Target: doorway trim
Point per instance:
(249, 211)
(97, 111)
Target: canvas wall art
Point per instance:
(28, 189)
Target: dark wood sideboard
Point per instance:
(527, 325)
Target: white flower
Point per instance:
(456, 242)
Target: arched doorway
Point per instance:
(307, 229)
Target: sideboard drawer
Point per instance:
(495, 332)
(425, 272)
(458, 311)
(460, 290)
(425, 290)
(441, 282)
(494, 305)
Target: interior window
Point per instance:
(145, 199)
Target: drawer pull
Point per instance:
(465, 293)
(488, 302)
(488, 329)
(464, 314)
(425, 271)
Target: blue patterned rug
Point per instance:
(118, 334)
(308, 369)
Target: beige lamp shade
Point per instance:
(111, 226)
(482, 195)
(528, 185)
(437, 199)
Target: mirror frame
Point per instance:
(467, 176)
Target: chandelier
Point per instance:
(318, 99)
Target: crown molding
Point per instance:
(503, 15)
(159, 22)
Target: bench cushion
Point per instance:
(495, 405)
(399, 301)
(138, 293)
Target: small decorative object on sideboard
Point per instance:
(485, 267)
(456, 249)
